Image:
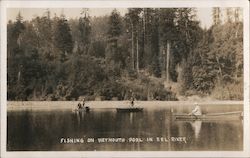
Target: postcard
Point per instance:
(125, 78)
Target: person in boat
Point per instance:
(83, 102)
(196, 111)
(132, 101)
(79, 105)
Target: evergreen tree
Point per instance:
(229, 15)
(18, 28)
(153, 40)
(113, 54)
(237, 14)
(216, 13)
(114, 31)
(188, 30)
(16, 60)
(168, 34)
(115, 25)
(43, 30)
(203, 67)
(63, 38)
(189, 34)
(133, 20)
(85, 31)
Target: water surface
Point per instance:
(44, 130)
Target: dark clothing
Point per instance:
(79, 106)
(132, 101)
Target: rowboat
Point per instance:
(86, 109)
(130, 109)
(235, 115)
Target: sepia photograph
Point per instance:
(125, 79)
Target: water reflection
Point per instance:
(31, 130)
(196, 126)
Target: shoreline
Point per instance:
(67, 105)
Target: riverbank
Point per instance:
(66, 105)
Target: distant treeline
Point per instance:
(116, 57)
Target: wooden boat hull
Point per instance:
(86, 109)
(129, 109)
(215, 116)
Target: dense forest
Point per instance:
(149, 53)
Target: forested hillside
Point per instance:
(114, 57)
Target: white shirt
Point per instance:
(197, 110)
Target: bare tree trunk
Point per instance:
(167, 61)
(144, 28)
(18, 76)
(220, 71)
(137, 54)
(133, 61)
(144, 23)
(144, 31)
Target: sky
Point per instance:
(203, 14)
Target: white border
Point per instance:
(246, 43)
(3, 78)
(124, 4)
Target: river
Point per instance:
(53, 126)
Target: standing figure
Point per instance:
(83, 102)
(132, 101)
(79, 105)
